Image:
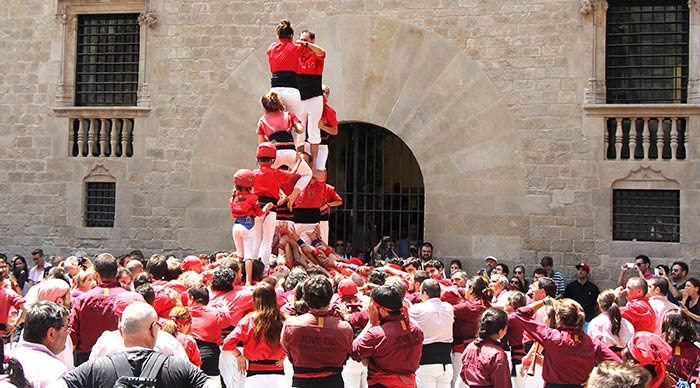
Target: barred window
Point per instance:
(647, 51)
(646, 215)
(100, 204)
(107, 67)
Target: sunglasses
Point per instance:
(518, 272)
(514, 282)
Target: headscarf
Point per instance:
(650, 349)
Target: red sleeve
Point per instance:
(331, 118)
(193, 352)
(501, 371)
(365, 345)
(15, 300)
(239, 334)
(293, 119)
(260, 128)
(75, 321)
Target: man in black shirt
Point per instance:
(139, 327)
(584, 292)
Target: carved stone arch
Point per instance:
(418, 85)
(99, 173)
(646, 178)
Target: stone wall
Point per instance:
(506, 79)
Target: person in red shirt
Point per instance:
(678, 331)
(307, 208)
(283, 57)
(276, 126)
(92, 312)
(8, 300)
(330, 199)
(317, 343)
(266, 185)
(390, 343)
(244, 210)
(328, 126)
(484, 363)
(466, 323)
(570, 354)
(207, 324)
(310, 83)
(262, 358)
(183, 320)
(638, 310)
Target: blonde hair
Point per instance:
(271, 102)
(570, 313)
(81, 277)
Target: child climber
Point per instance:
(244, 209)
(276, 127)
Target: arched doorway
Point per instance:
(382, 188)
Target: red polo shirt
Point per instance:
(268, 181)
(92, 314)
(208, 323)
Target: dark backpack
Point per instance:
(149, 372)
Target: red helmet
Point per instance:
(266, 150)
(243, 178)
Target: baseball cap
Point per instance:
(584, 266)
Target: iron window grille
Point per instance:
(100, 204)
(647, 51)
(381, 184)
(107, 67)
(646, 215)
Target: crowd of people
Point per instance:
(286, 309)
(390, 323)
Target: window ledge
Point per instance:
(101, 112)
(641, 110)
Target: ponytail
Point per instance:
(615, 318)
(271, 102)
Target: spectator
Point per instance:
(638, 310)
(519, 272)
(583, 291)
(548, 263)
(501, 269)
(499, 290)
(657, 293)
(642, 264)
(426, 251)
(689, 303)
(539, 273)
(139, 327)
(83, 282)
(459, 278)
(21, 273)
(489, 264)
(92, 312)
(183, 333)
(679, 273)
(37, 272)
(435, 318)
(44, 337)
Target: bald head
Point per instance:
(137, 325)
(135, 266)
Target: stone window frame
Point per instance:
(596, 12)
(67, 12)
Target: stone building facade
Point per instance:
(502, 103)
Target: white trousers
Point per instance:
(265, 381)
(229, 370)
(324, 231)
(322, 157)
(456, 369)
(292, 102)
(264, 234)
(434, 376)
(303, 231)
(245, 241)
(289, 158)
(312, 110)
(354, 374)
